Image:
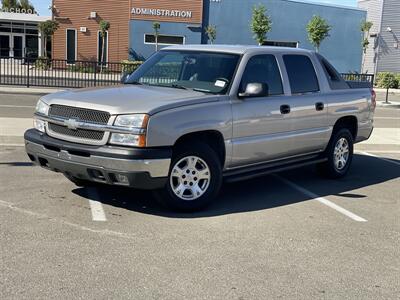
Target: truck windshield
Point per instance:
(206, 72)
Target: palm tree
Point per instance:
(156, 27)
(104, 27)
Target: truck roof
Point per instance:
(236, 49)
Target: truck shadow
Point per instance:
(262, 193)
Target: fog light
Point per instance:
(39, 125)
(122, 178)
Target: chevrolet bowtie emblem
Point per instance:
(71, 124)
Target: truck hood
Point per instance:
(126, 99)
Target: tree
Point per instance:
(260, 24)
(47, 29)
(318, 30)
(365, 29)
(387, 81)
(21, 4)
(156, 28)
(26, 4)
(211, 32)
(9, 4)
(104, 27)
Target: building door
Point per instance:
(18, 46)
(5, 45)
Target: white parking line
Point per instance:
(96, 207)
(322, 200)
(382, 158)
(386, 118)
(380, 151)
(97, 211)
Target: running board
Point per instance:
(265, 169)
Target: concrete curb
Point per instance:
(388, 105)
(29, 91)
(391, 91)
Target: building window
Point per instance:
(101, 48)
(281, 44)
(301, 73)
(164, 39)
(71, 46)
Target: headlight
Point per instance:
(42, 108)
(135, 121)
(138, 121)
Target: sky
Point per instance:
(42, 6)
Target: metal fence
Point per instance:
(61, 73)
(79, 74)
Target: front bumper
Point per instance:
(142, 168)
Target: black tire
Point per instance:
(329, 168)
(168, 197)
(79, 182)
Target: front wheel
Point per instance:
(339, 154)
(194, 179)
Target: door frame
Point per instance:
(12, 43)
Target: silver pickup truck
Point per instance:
(193, 116)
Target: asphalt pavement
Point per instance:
(293, 235)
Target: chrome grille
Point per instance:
(79, 133)
(81, 114)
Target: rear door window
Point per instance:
(336, 82)
(263, 69)
(301, 73)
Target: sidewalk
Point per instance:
(25, 90)
(391, 91)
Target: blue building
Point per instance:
(185, 25)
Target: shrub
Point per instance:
(129, 66)
(82, 69)
(398, 80)
(43, 63)
(387, 80)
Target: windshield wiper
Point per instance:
(204, 91)
(178, 86)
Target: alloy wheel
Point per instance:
(190, 178)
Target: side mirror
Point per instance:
(255, 89)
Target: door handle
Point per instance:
(285, 109)
(319, 106)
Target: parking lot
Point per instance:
(292, 235)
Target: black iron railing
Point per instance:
(61, 73)
(79, 74)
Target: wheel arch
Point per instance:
(213, 138)
(349, 122)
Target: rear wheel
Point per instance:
(194, 179)
(339, 154)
